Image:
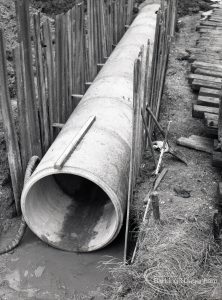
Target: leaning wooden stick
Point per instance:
(149, 138)
(155, 121)
(162, 150)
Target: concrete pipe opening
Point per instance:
(71, 213)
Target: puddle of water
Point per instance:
(38, 269)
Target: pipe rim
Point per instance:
(39, 175)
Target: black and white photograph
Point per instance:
(110, 149)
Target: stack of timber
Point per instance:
(206, 71)
(206, 81)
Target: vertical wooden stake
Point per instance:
(30, 92)
(149, 138)
(155, 205)
(14, 158)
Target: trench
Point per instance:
(80, 207)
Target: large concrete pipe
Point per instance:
(81, 206)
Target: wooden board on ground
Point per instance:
(192, 77)
(211, 116)
(205, 65)
(208, 101)
(204, 29)
(197, 142)
(199, 110)
(209, 92)
(210, 50)
(206, 72)
(198, 83)
(204, 56)
(211, 24)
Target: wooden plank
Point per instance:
(58, 67)
(69, 62)
(64, 81)
(132, 169)
(30, 93)
(50, 74)
(202, 139)
(206, 41)
(211, 36)
(103, 31)
(91, 38)
(204, 56)
(43, 105)
(205, 49)
(209, 92)
(191, 77)
(22, 116)
(211, 24)
(206, 29)
(129, 13)
(205, 65)
(13, 152)
(214, 18)
(198, 83)
(199, 110)
(82, 50)
(210, 116)
(198, 143)
(208, 101)
(208, 72)
(74, 143)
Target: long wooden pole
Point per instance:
(13, 152)
(30, 93)
(133, 163)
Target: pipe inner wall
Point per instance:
(81, 207)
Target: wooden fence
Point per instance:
(54, 63)
(148, 90)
